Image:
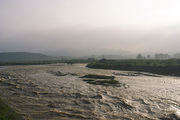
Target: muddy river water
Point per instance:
(36, 93)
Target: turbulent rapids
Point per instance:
(58, 92)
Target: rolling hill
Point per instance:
(23, 56)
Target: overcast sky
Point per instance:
(131, 25)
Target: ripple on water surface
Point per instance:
(58, 92)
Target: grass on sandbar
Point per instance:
(101, 80)
(98, 76)
(6, 113)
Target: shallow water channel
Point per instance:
(36, 92)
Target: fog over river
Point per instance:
(36, 92)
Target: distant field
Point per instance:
(162, 67)
(40, 62)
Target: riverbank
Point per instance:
(162, 67)
(7, 113)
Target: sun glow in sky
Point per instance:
(132, 25)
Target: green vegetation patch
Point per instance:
(98, 76)
(162, 67)
(43, 62)
(101, 80)
(6, 113)
(134, 62)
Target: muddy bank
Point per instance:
(38, 94)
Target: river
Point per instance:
(37, 93)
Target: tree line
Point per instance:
(161, 56)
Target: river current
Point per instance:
(36, 92)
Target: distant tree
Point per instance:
(139, 56)
(156, 56)
(177, 55)
(162, 56)
(148, 57)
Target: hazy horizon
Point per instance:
(134, 26)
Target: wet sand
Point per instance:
(38, 94)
